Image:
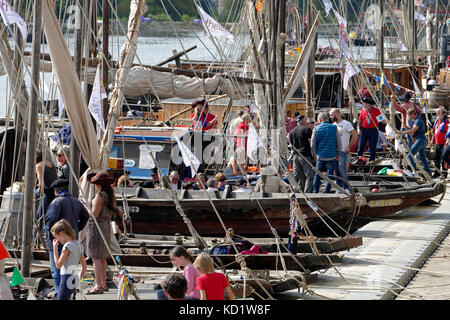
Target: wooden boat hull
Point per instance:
(270, 261)
(153, 212)
(381, 204)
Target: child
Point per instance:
(71, 255)
(175, 287)
(180, 258)
(211, 284)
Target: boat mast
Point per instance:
(414, 38)
(274, 29)
(105, 55)
(30, 161)
(381, 49)
(77, 57)
(436, 14)
(311, 66)
(19, 119)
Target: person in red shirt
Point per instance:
(439, 130)
(368, 121)
(201, 118)
(212, 285)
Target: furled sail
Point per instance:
(76, 108)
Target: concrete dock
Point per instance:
(398, 259)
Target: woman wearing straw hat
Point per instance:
(103, 207)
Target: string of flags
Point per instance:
(383, 80)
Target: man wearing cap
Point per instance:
(300, 140)
(368, 120)
(154, 181)
(64, 206)
(201, 118)
(348, 137)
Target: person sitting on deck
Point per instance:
(154, 181)
(221, 181)
(175, 287)
(201, 186)
(201, 118)
(174, 179)
(232, 168)
(269, 182)
(212, 184)
(241, 186)
(124, 181)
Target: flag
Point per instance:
(350, 70)
(212, 27)
(10, 16)
(97, 95)
(259, 5)
(3, 252)
(342, 21)
(16, 278)
(253, 142)
(189, 159)
(384, 81)
(328, 6)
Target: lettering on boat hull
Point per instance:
(384, 203)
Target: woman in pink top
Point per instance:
(180, 258)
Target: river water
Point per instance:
(151, 51)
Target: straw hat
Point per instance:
(102, 178)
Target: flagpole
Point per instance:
(381, 41)
(77, 57)
(30, 162)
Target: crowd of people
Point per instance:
(74, 230)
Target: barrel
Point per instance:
(11, 216)
(439, 97)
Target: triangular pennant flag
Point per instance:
(16, 278)
(95, 103)
(253, 142)
(3, 252)
(189, 159)
(212, 26)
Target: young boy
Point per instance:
(175, 287)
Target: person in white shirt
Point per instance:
(212, 184)
(234, 123)
(174, 179)
(349, 137)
